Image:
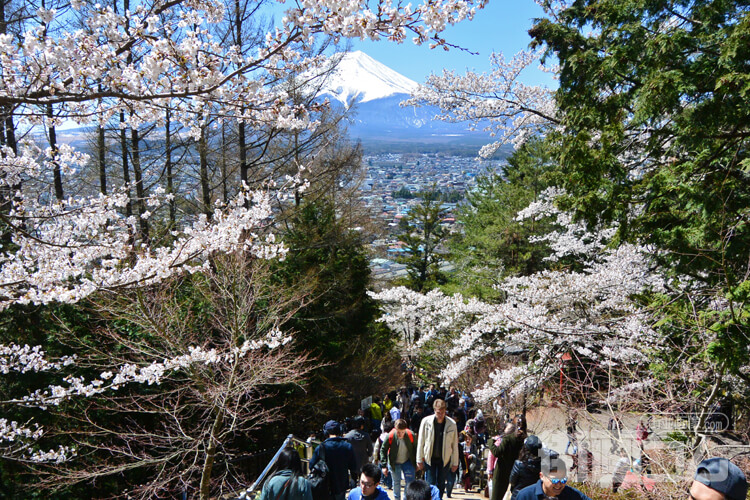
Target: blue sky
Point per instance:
(501, 27)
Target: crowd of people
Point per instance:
(437, 435)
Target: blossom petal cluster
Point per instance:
(16, 439)
(24, 359)
(73, 248)
(421, 317)
(11, 431)
(497, 102)
(151, 374)
(572, 238)
(587, 314)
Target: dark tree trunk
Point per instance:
(140, 192)
(101, 145)
(240, 124)
(56, 173)
(168, 166)
(224, 189)
(125, 165)
(205, 186)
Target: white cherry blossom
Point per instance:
(588, 314)
(497, 102)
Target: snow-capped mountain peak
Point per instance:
(361, 77)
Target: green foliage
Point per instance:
(337, 323)
(493, 244)
(451, 196)
(421, 240)
(654, 117)
(655, 135)
(331, 259)
(676, 437)
(404, 193)
(708, 340)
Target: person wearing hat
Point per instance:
(526, 469)
(718, 479)
(338, 455)
(552, 482)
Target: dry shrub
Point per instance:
(662, 491)
(664, 460)
(743, 462)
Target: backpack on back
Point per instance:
(319, 478)
(393, 433)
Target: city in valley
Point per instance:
(390, 175)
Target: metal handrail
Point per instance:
(245, 494)
(290, 438)
(311, 445)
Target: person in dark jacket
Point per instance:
(480, 429)
(361, 442)
(506, 453)
(528, 466)
(416, 418)
(468, 456)
(339, 457)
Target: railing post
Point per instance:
(263, 474)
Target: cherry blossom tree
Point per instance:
(159, 63)
(608, 315)
(588, 313)
(165, 397)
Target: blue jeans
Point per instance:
(408, 471)
(436, 474)
(450, 480)
(388, 481)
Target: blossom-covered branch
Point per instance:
(498, 102)
(151, 374)
(588, 313)
(164, 51)
(67, 250)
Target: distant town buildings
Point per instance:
(388, 173)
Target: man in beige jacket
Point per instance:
(437, 446)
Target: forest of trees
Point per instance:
(617, 234)
(198, 268)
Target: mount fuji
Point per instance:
(363, 79)
(373, 92)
